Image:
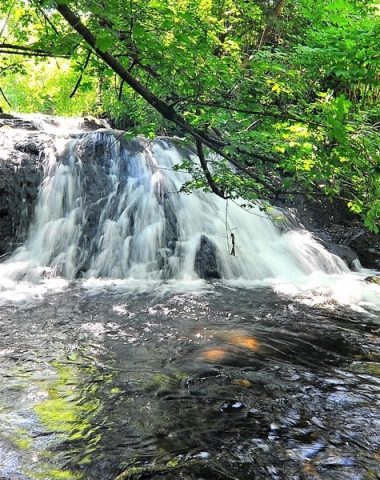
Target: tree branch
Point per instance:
(11, 49)
(5, 98)
(166, 110)
(281, 116)
(207, 172)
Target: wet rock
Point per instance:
(233, 406)
(8, 120)
(373, 279)
(206, 265)
(253, 412)
(20, 177)
(92, 123)
(6, 116)
(332, 222)
(345, 253)
(367, 245)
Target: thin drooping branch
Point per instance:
(207, 172)
(81, 74)
(5, 98)
(167, 111)
(28, 51)
(248, 111)
(48, 21)
(120, 94)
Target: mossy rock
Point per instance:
(373, 279)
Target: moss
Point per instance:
(47, 473)
(22, 439)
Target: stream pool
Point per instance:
(211, 382)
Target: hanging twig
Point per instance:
(47, 19)
(120, 90)
(233, 244)
(81, 74)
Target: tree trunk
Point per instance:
(268, 28)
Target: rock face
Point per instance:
(8, 120)
(373, 279)
(20, 177)
(340, 231)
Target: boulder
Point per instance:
(91, 123)
(206, 265)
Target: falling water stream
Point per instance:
(132, 338)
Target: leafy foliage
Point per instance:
(289, 88)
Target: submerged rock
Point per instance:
(373, 279)
(233, 406)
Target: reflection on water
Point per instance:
(228, 383)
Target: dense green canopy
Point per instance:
(287, 91)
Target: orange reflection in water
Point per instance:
(242, 340)
(213, 355)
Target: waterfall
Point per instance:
(112, 208)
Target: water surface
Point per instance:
(227, 382)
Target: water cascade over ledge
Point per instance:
(112, 208)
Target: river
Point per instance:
(114, 359)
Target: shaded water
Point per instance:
(94, 381)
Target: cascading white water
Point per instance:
(111, 208)
(140, 196)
